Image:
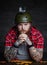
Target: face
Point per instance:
(24, 27)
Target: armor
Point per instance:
(23, 17)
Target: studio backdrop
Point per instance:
(8, 10)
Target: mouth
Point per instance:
(23, 31)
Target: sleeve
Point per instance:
(10, 51)
(10, 38)
(40, 40)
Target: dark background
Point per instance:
(8, 10)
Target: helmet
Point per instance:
(23, 17)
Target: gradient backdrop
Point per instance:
(8, 10)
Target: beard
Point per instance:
(24, 31)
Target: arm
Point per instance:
(10, 51)
(36, 52)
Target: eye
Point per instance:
(25, 24)
(20, 24)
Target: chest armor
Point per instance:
(22, 52)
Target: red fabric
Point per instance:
(35, 36)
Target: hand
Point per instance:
(22, 37)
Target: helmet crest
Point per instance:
(23, 17)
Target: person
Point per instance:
(23, 41)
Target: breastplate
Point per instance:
(23, 53)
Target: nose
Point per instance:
(23, 27)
